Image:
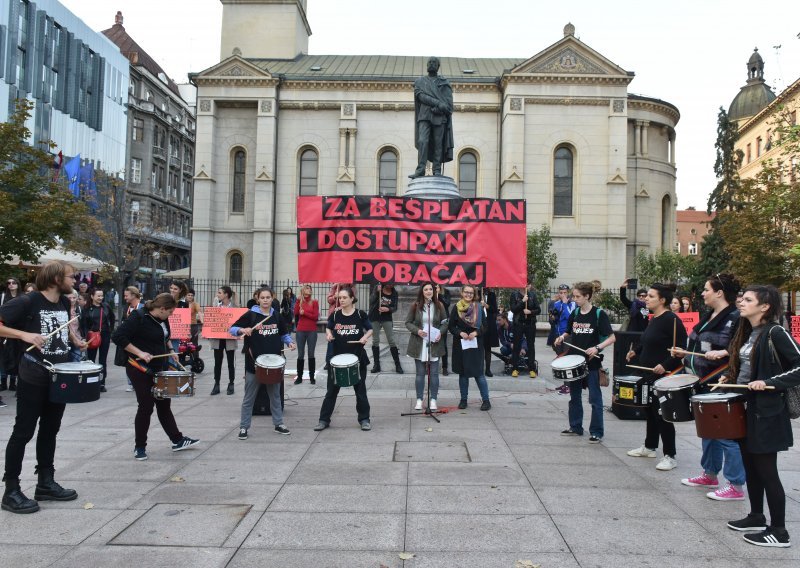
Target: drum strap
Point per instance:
(716, 373)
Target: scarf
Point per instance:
(469, 312)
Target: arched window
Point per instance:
(239, 163)
(468, 175)
(235, 268)
(562, 182)
(309, 165)
(387, 173)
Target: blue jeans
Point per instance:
(712, 460)
(422, 375)
(595, 400)
(463, 385)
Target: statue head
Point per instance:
(433, 65)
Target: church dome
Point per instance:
(755, 95)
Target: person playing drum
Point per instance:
(663, 332)
(39, 319)
(348, 330)
(589, 329)
(263, 330)
(146, 335)
(710, 337)
(764, 356)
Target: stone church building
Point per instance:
(559, 128)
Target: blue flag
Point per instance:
(72, 169)
(88, 186)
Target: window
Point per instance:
(387, 173)
(154, 178)
(693, 249)
(309, 164)
(235, 269)
(237, 205)
(758, 147)
(749, 156)
(138, 130)
(562, 182)
(136, 170)
(678, 247)
(468, 175)
(134, 213)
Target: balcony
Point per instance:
(175, 162)
(188, 169)
(160, 153)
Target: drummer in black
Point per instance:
(144, 335)
(348, 330)
(31, 319)
(264, 332)
(664, 332)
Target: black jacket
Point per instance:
(146, 333)
(517, 305)
(90, 319)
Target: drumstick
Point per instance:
(576, 347)
(52, 333)
(178, 363)
(356, 341)
(688, 352)
(736, 386)
(642, 368)
(674, 333)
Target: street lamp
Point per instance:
(156, 256)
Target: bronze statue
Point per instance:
(433, 125)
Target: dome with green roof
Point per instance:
(755, 95)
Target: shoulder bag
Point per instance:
(792, 394)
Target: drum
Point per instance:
(345, 369)
(74, 382)
(674, 397)
(173, 384)
(630, 395)
(569, 368)
(269, 369)
(720, 415)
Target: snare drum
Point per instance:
(569, 368)
(173, 384)
(720, 415)
(74, 382)
(345, 369)
(674, 397)
(269, 369)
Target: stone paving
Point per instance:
(485, 489)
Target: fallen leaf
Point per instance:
(429, 429)
(177, 479)
(526, 564)
(406, 555)
(88, 506)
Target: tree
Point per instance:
(35, 211)
(542, 261)
(663, 266)
(714, 259)
(727, 165)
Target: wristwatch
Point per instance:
(599, 349)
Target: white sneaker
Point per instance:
(129, 388)
(667, 463)
(642, 452)
(419, 404)
(433, 404)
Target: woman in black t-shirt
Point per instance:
(348, 330)
(98, 316)
(144, 335)
(589, 329)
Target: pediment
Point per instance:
(569, 56)
(234, 67)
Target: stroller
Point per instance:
(189, 355)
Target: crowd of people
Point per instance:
(737, 340)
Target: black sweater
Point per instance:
(656, 340)
(145, 333)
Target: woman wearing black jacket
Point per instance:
(763, 354)
(98, 316)
(468, 323)
(144, 335)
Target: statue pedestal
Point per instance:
(432, 187)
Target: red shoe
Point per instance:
(702, 480)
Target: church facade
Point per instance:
(560, 129)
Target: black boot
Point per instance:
(103, 384)
(48, 490)
(488, 357)
(445, 373)
(14, 499)
(376, 355)
(230, 388)
(300, 364)
(215, 390)
(396, 356)
(312, 364)
(12, 382)
(3, 384)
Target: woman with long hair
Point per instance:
(675, 306)
(287, 308)
(382, 304)
(306, 314)
(145, 334)
(9, 354)
(711, 337)
(224, 347)
(467, 325)
(763, 355)
(653, 351)
(98, 317)
(427, 321)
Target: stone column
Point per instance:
(673, 136)
(637, 138)
(264, 192)
(645, 130)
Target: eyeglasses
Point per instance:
(465, 293)
(641, 295)
(10, 282)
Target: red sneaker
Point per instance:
(703, 480)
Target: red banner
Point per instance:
(217, 321)
(179, 323)
(689, 319)
(411, 241)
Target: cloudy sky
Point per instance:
(691, 53)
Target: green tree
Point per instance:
(542, 261)
(714, 259)
(663, 266)
(35, 210)
(727, 164)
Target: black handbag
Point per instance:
(792, 394)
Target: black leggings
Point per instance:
(762, 477)
(657, 426)
(218, 355)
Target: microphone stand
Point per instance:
(427, 411)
